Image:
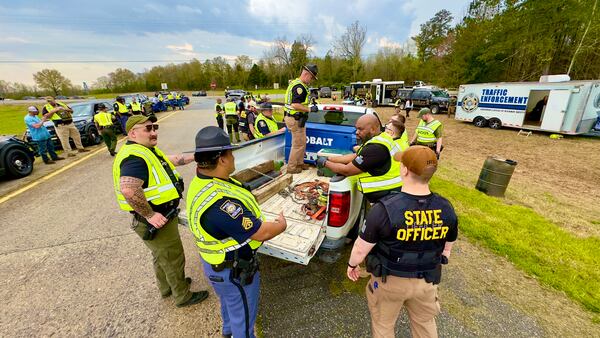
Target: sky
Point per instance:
(88, 39)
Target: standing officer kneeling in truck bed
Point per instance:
(148, 186)
(406, 238)
(229, 227)
(296, 114)
(377, 172)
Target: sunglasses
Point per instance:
(149, 127)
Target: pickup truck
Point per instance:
(435, 99)
(332, 127)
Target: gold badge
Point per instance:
(247, 223)
(299, 90)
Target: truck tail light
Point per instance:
(333, 108)
(339, 208)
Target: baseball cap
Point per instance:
(424, 111)
(420, 160)
(32, 109)
(138, 119)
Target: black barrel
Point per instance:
(495, 175)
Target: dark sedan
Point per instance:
(83, 117)
(199, 93)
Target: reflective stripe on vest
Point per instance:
(401, 144)
(426, 131)
(160, 188)
(122, 108)
(230, 108)
(202, 194)
(217, 114)
(103, 119)
(289, 95)
(271, 123)
(391, 179)
(62, 115)
(136, 106)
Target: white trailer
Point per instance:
(384, 92)
(572, 107)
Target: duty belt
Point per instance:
(222, 266)
(59, 122)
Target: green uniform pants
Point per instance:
(168, 258)
(110, 138)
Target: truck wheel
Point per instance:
(495, 123)
(94, 136)
(18, 163)
(434, 109)
(480, 121)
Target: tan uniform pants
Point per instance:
(66, 131)
(386, 300)
(296, 158)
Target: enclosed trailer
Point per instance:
(567, 107)
(384, 92)
(359, 89)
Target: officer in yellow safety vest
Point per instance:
(295, 115)
(265, 123)
(179, 101)
(61, 115)
(429, 132)
(136, 107)
(122, 112)
(171, 100)
(105, 124)
(149, 187)
(220, 113)
(229, 227)
(397, 125)
(373, 165)
(232, 120)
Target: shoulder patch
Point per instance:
(247, 223)
(262, 123)
(299, 90)
(234, 210)
(359, 159)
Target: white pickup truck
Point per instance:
(331, 127)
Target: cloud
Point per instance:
(186, 49)
(188, 9)
(289, 13)
(332, 27)
(260, 43)
(385, 42)
(13, 39)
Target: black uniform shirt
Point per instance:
(374, 158)
(422, 222)
(298, 93)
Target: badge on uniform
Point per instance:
(299, 90)
(359, 159)
(247, 223)
(232, 209)
(262, 123)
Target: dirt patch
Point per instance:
(559, 179)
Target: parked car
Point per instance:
(236, 94)
(16, 157)
(199, 93)
(83, 117)
(313, 92)
(435, 99)
(325, 92)
(28, 98)
(334, 89)
(61, 97)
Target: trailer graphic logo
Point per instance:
(470, 102)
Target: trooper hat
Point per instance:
(212, 138)
(312, 69)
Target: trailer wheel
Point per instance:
(495, 123)
(480, 121)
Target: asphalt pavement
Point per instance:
(71, 266)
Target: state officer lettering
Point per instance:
(422, 225)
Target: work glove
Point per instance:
(321, 162)
(314, 109)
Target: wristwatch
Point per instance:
(352, 266)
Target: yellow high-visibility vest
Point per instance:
(271, 123)
(136, 106)
(161, 189)
(202, 194)
(426, 131)
(61, 115)
(122, 108)
(391, 179)
(289, 95)
(104, 119)
(230, 108)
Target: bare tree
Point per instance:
(350, 45)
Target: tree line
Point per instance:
(496, 40)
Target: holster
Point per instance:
(245, 270)
(303, 117)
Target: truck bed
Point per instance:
(303, 235)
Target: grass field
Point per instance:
(11, 117)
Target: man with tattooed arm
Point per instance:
(150, 188)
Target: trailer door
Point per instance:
(554, 114)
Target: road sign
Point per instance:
(164, 86)
(213, 85)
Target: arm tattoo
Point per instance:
(180, 159)
(137, 200)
